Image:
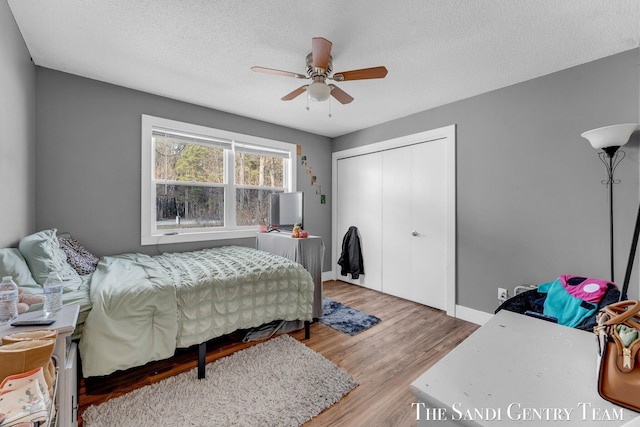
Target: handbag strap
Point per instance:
(621, 312)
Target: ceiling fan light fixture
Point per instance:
(318, 91)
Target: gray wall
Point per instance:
(17, 125)
(88, 161)
(530, 204)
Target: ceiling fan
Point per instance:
(319, 67)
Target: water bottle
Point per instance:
(8, 300)
(52, 294)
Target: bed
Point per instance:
(137, 308)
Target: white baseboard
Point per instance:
(328, 275)
(472, 315)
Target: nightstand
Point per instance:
(66, 353)
(308, 252)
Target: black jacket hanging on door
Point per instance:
(351, 258)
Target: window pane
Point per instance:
(252, 206)
(260, 170)
(186, 206)
(181, 161)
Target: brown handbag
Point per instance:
(619, 368)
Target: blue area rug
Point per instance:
(344, 318)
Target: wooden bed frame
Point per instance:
(202, 350)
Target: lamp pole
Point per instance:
(611, 157)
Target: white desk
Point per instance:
(308, 252)
(66, 354)
(508, 368)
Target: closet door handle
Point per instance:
(415, 233)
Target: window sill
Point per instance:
(185, 237)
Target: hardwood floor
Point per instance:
(384, 359)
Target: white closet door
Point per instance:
(396, 223)
(359, 199)
(414, 234)
(400, 193)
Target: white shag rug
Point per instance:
(279, 382)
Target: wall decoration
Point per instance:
(314, 179)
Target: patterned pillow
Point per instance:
(83, 261)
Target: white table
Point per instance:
(66, 353)
(517, 370)
(308, 252)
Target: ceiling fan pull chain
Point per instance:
(330, 108)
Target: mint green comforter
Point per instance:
(145, 307)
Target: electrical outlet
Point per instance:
(503, 294)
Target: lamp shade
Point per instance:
(318, 91)
(610, 136)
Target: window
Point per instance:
(200, 183)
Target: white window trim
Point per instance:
(148, 234)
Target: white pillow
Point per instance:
(43, 255)
(13, 264)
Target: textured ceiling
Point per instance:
(436, 51)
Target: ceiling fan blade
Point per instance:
(321, 51)
(278, 72)
(362, 74)
(342, 96)
(294, 94)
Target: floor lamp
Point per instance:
(609, 139)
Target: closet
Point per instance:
(401, 196)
